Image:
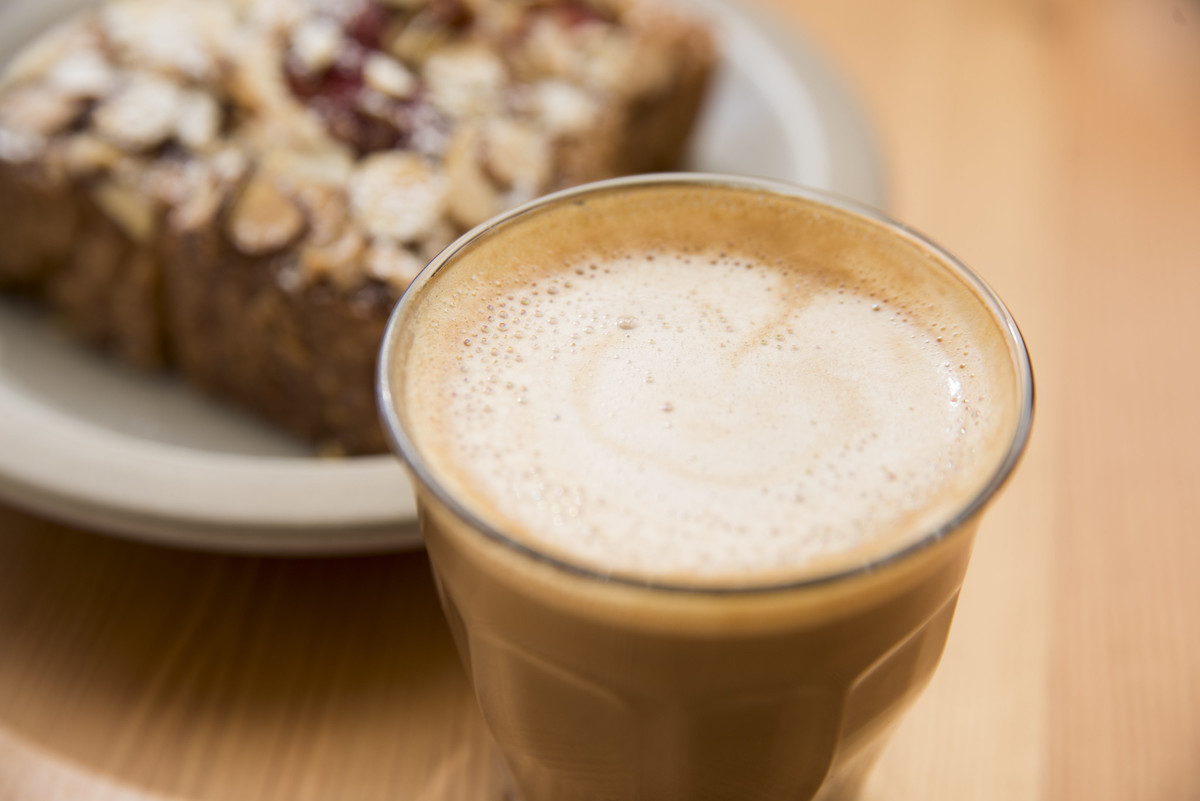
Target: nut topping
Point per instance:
(564, 109)
(32, 110)
(517, 155)
(200, 204)
(84, 73)
(434, 24)
(465, 80)
(389, 261)
(366, 132)
(338, 262)
(388, 76)
(182, 37)
(20, 146)
(473, 198)
(263, 219)
(316, 43)
(397, 194)
(47, 51)
(86, 154)
(547, 50)
(132, 211)
(198, 121)
(141, 114)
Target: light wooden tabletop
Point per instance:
(1055, 146)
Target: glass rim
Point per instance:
(404, 447)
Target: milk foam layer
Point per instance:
(704, 414)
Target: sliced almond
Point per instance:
(465, 80)
(263, 219)
(45, 52)
(517, 154)
(546, 51)
(388, 76)
(339, 262)
(199, 121)
(132, 211)
(330, 167)
(86, 153)
(199, 207)
(564, 109)
(398, 195)
(164, 180)
(326, 208)
(228, 164)
(473, 198)
(316, 43)
(37, 110)
(19, 147)
(182, 37)
(274, 16)
(255, 81)
(414, 40)
(388, 260)
(204, 184)
(84, 73)
(276, 119)
(141, 114)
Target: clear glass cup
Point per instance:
(620, 688)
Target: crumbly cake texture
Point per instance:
(243, 188)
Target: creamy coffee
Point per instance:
(718, 412)
(704, 414)
(700, 463)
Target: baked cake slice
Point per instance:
(243, 188)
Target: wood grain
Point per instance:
(203, 676)
(1055, 146)
(1126, 675)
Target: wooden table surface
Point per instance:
(1055, 146)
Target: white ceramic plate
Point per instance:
(89, 442)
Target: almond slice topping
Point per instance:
(398, 195)
(263, 219)
(141, 114)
